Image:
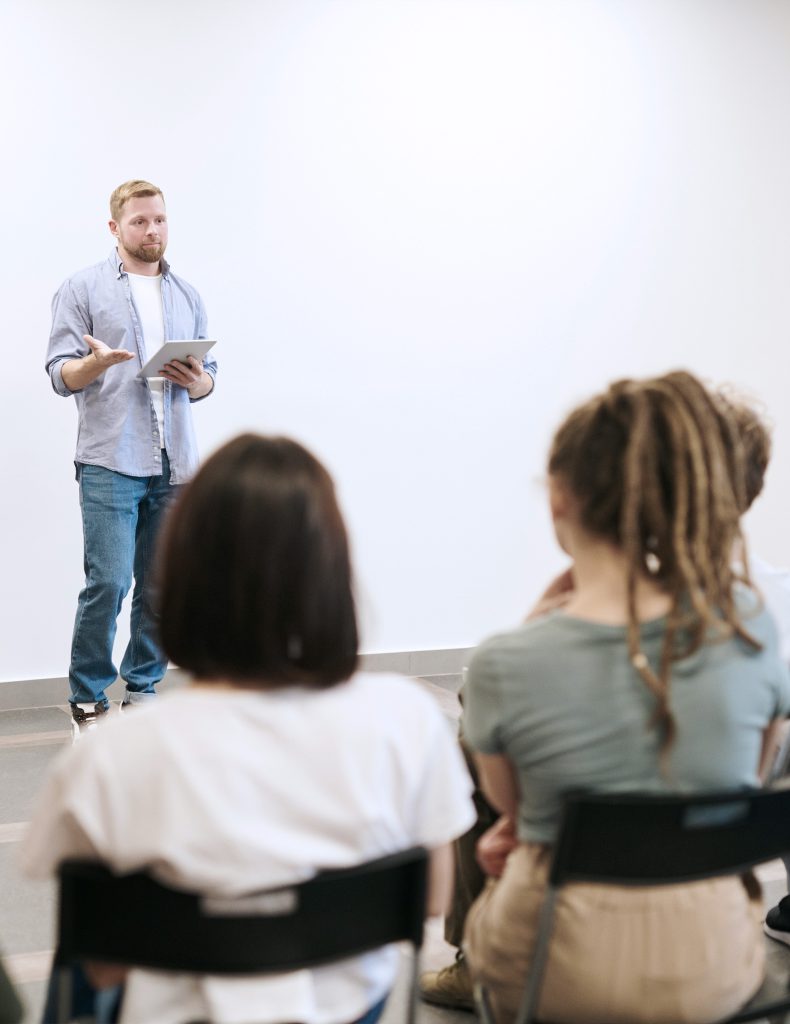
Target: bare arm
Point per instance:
(441, 868)
(498, 782)
(495, 846)
(78, 373)
(774, 737)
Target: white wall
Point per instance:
(422, 230)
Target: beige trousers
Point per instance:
(682, 954)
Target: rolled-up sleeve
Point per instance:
(483, 714)
(209, 362)
(70, 321)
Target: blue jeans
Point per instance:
(121, 516)
(87, 1003)
(374, 1012)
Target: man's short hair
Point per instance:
(256, 581)
(135, 189)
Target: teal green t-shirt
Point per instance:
(560, 698)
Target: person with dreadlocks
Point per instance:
(773, 584)
(660, 673)
(771, 581)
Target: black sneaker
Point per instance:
(85, 717)
(777, 921)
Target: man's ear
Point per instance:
(113, 228)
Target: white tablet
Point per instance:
(175, 350)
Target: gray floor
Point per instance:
(31, 737)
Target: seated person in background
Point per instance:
(774, 586)
(772, 583)
(451, 986)
(659, 674)
(279, 759)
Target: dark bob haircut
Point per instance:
(255, 583)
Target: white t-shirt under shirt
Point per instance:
(230, 791)
(147, 294)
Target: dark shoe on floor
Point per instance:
(450, 987)
(777, 921)
(85, 717)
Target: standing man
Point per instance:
(135, 440)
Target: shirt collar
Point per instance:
(117, 263)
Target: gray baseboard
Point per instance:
(441, 666)
(448, 661)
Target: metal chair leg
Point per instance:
(65, 994)
(529, 1004)
(483, 1004)
(414, 979)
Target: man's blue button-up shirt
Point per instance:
(117, 422)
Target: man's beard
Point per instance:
(147, 254)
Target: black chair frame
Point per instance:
(137, 921)
(628, 839)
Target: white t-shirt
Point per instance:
(147, 293)
(230, 791)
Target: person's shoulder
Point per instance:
(386, 686)
(138, 725)
(749, 603)
(108, 744)
(391, 698)
(772, 583)
(82, 279)
(755, 616)
(530, 635)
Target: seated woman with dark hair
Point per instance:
(279, 759)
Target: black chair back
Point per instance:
(652, 839)
(642, 839)
(133, 919)
(136, 920)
